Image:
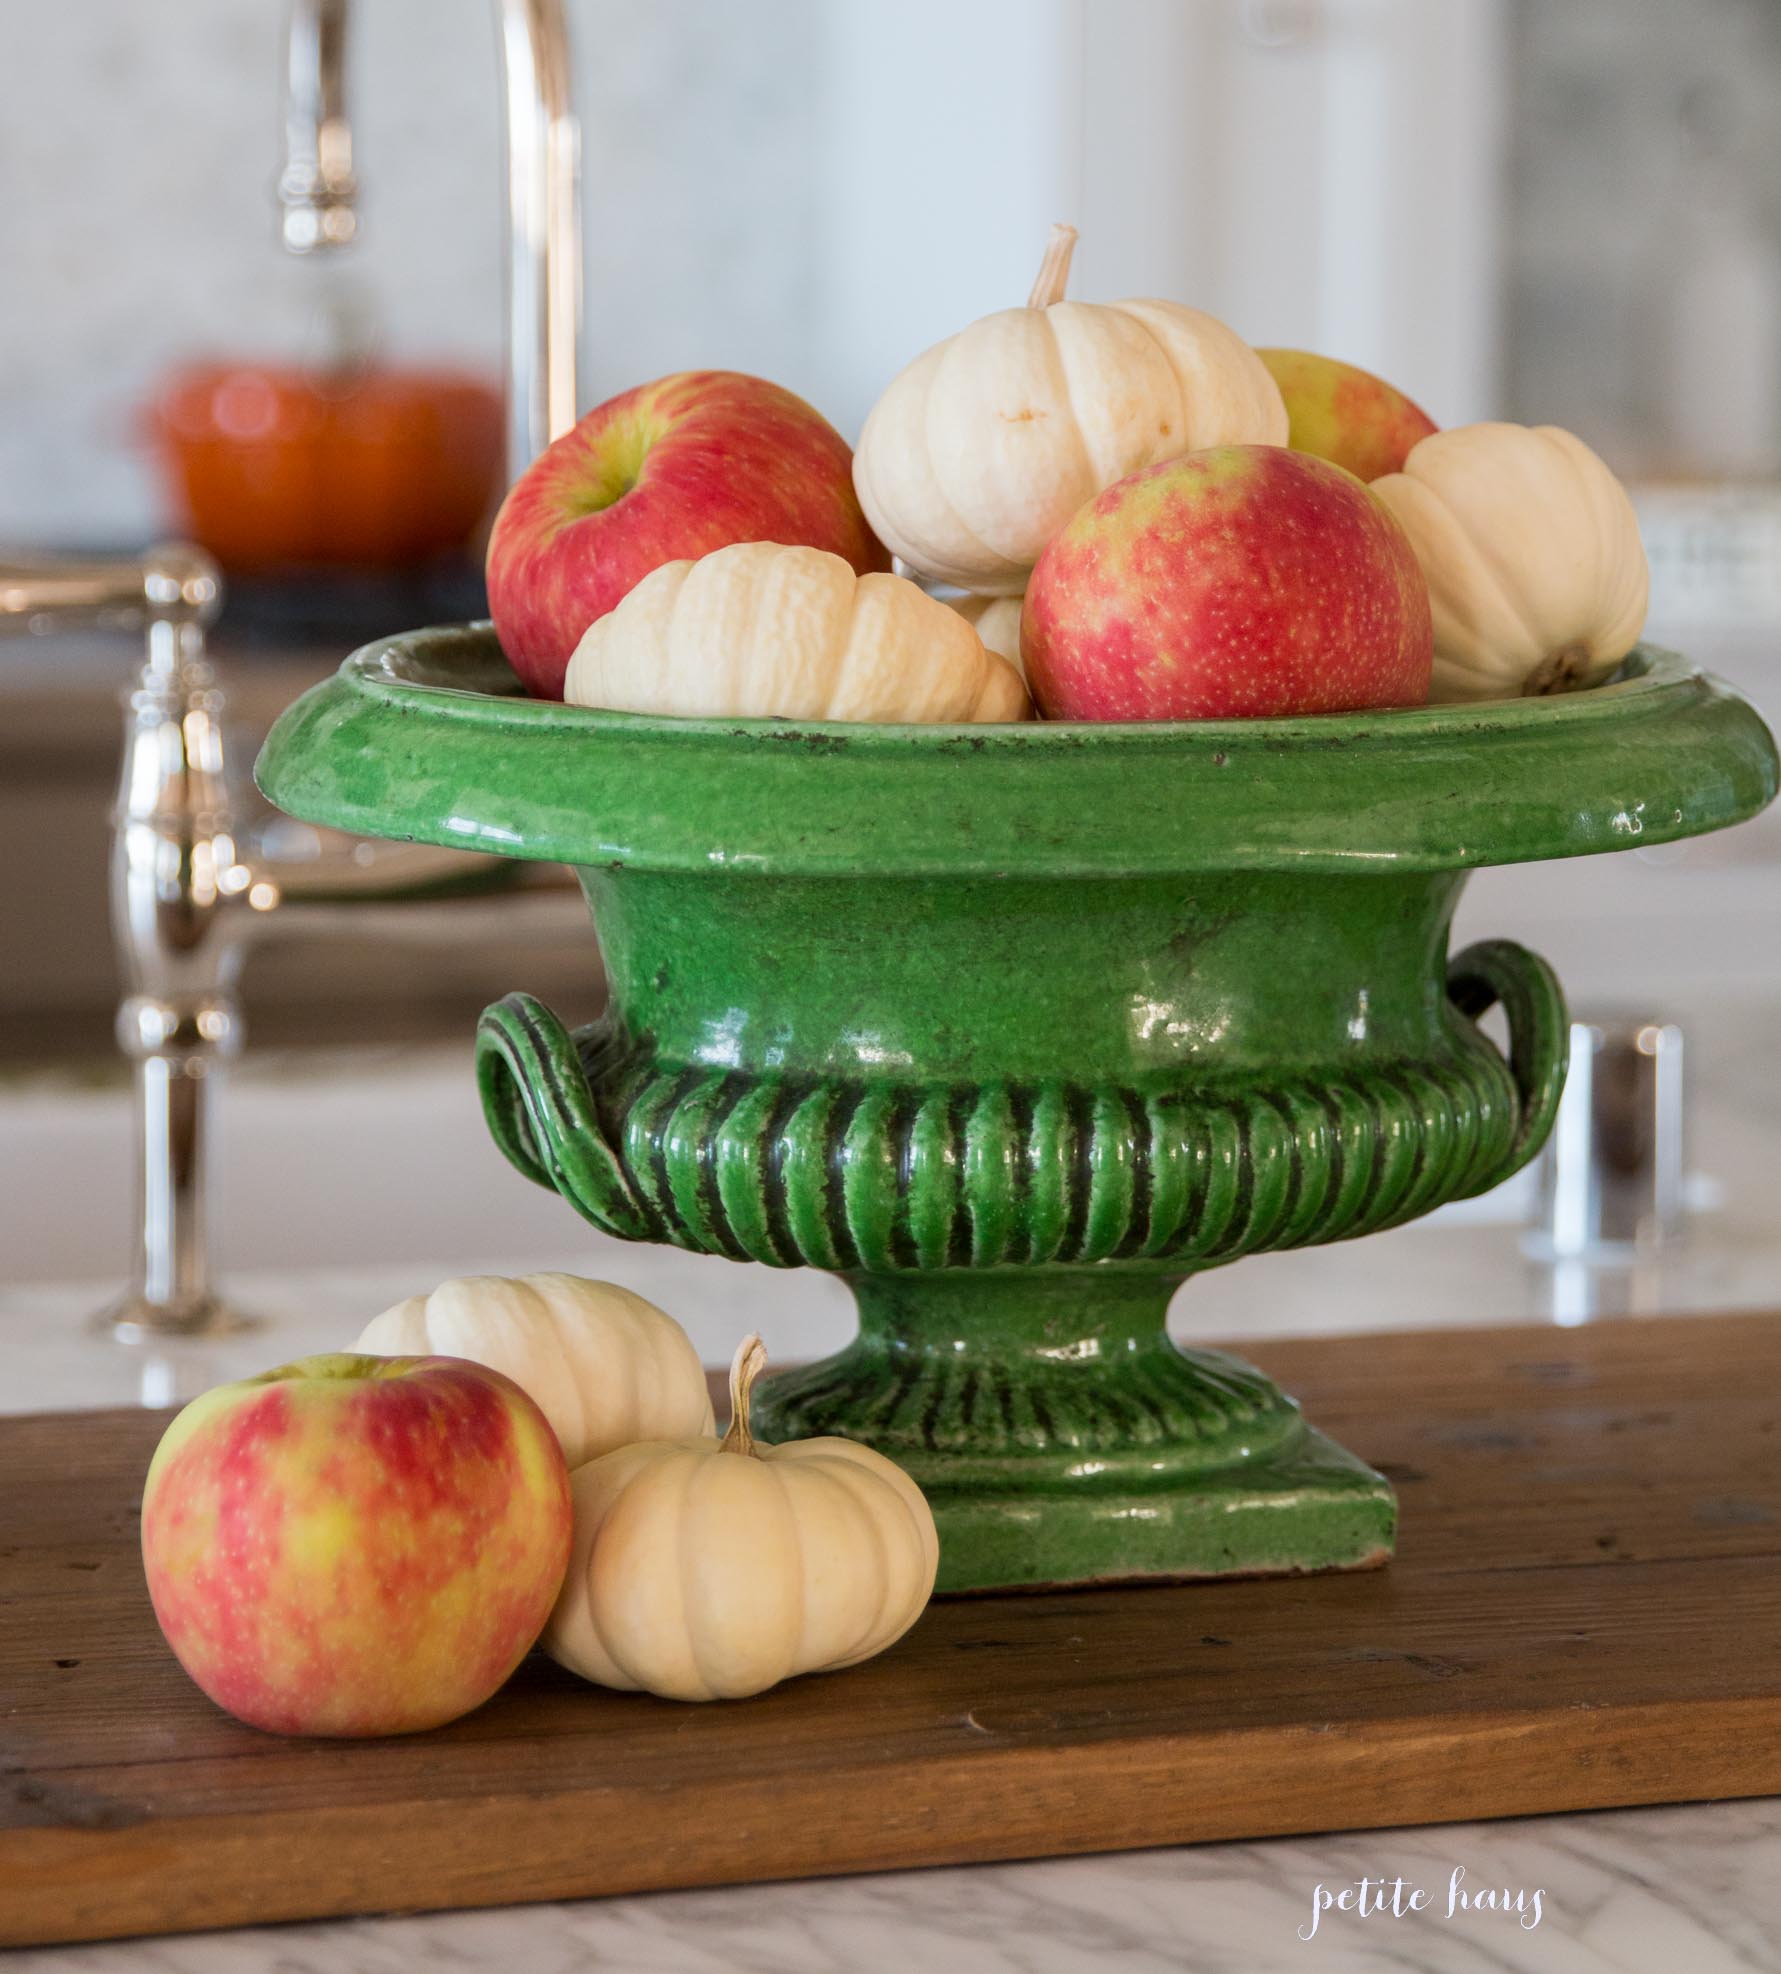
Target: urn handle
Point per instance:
(541, 1113)
(1539, 1034)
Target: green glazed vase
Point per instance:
(1017, 1027)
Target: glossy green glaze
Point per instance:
(1015, 1028)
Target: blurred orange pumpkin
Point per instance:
(370, 468)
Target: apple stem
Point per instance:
(1054, 269)
(748, 1364)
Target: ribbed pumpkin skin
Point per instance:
(996, 619)
(761, 631)
(983, 447)
(604, 1366)
(1536, 572)
(705, 1574)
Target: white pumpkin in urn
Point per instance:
(764, 631)
(707, 1569)
(995, 619)
(604, 1366)
(1536, 572)
(984, 446)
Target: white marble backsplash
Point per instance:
(140, 144)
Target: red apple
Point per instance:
(668, 471)
(1238, 582)
(356, 1545)
(1345, 414)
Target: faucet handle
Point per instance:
(171, 583)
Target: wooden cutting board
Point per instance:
(1585, 1611)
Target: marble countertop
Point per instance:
(1660, 1891)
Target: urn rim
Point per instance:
(428, 736)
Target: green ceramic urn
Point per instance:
(1017, 1027)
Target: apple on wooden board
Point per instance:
(1344, 414)
(356, 1545)
(663, 473)
(1238, 582)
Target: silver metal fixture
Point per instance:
(178, 891)
(317, 193)
(192, 887)
(189, 893)
(1613, 1173)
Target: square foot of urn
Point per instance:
(1303, 1507)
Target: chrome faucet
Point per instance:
(317, 194)
(179, 889)
(190, 887)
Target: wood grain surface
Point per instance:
(1585, 1611)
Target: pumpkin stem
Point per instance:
(1054, 269)
(747, 1365)
(1563, 670)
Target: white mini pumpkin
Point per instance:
(707, 1569)
(764, 631)
(983, 447)
(1531, 548)
(604, 1366)
(995, 619)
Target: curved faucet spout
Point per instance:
(317, 194)
(543, 227)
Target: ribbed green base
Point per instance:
(1061, 1438)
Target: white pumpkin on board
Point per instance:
(983, 447)
(759, 630)
(707, 1569)
(1535, 568)
(604, 1366)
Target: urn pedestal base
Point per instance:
(1309, 1505)
(1061, 1437)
